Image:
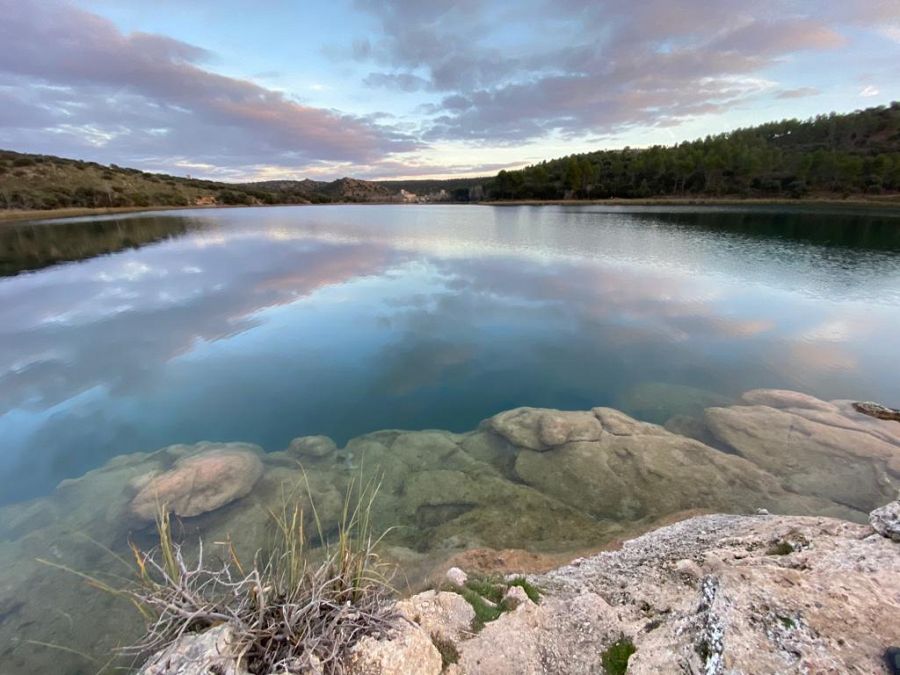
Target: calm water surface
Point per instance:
(265, 324)
(133, 333)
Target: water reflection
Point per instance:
(27, 246)
(262, 324)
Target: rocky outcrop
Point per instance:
(217, 475)
(712, 594)
(615, 467)
(814, 447)
(886, 520)
(408, 651)
(212, 651)
(556, 483)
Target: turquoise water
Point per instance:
(129, 334)
(264, 324)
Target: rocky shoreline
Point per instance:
(524, 492)
(711, 594)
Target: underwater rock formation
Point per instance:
(201, 481)
(815, 447)
(556, 483)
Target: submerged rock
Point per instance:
(815, 447)
(541, 429)
(659, 401)
(219, 474)
(313, 447)
(636, 470)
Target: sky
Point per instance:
(292, 89)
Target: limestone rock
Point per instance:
(784, 398)
(541, 429)
(202, 482)
(445, 616)
(456, 576)
(819, 608)
(197, 654)
(408, 652)
(557, 636)
(515, 597)
(659, 401)
(311, 447)
(886, 520)
(639, 470)
(814, 447)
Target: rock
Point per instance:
(658, 401)
(515, 597)
(886, 520)
(456, 576)
(784, 398)
(201, 482)
(688, 568)
(311, 447)
(506, 561)
(541, 429)
(814, 447)
(409, 651)
(637, 470)
(444, 616)
(820, 609)
(557, 636)
(198, 654)
(877, 410)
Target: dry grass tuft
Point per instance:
(288, 614)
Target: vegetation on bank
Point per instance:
(289, 609)
(830, 156)
(839, 155)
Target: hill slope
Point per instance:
(827, 156)
(837, 155)
(46, 182)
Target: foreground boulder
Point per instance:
(713, 594)
(217, 475)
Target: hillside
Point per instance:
(32, 182)
(829, 155)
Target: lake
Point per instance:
(125, 334)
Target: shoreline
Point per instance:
(880, 203)
(891, 202)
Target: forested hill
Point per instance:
(830, 155)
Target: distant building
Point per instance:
(408, 197)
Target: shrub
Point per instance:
(286, 613)
(615, 657)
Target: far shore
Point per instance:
(889, 201)
(886, 202)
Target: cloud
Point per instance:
(869, 91)
(576, 67)
(799, 92)
(146, 95)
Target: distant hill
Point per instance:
(827, 156)
(830, 155)
(30, 181)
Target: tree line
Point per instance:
(855, 153)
